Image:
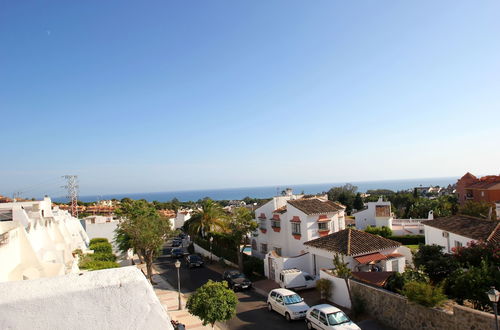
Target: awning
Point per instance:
(370, 257)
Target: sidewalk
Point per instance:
(168, 297)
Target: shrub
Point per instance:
(358, 304)
(104, 257)
(101, 247)
(98, 264)
(324, 286)
(409, 239)
(381, 231)
(190, 248)
(98, 240)
(424, 293)
(253, 265)
(435, 262)
(397, 281)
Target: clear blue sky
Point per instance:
(137, 96)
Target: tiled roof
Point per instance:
(471, 227)
(374, 278)
(280, 210)
(485, 182)
(352, 242)
(316, 206)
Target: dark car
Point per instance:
(176, 243)
(167, 251)
(177, 253)
(194, 260)
(236, 280)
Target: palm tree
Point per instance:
(208, 218)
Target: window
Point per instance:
(273, 295)
(277, 250)
(394, 265)
(275, 224)
(446, 234)
(337, 318)
(262, 224)
(295, 228)
(279, 298)
(322, 225)
(482, 193)
(322, 318)
(458, 244)
(263, 248)
(315, 313)
(254, 245)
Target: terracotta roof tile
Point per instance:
(316, 206)
(471, 227)
(352, 242)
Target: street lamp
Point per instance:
(211, 240)
(178, 266)
(494, 295)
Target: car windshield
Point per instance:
(194, 258)
(237, 275)
(292, 299)
(337, 318)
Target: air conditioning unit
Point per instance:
(446, 234)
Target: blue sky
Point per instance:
(137, 96)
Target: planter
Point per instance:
(263, 231)
(323, 232)
(296, 236)
(277, 229)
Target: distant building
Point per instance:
(458, 230)
(37, 240)
(181, 217)
(484, 189)
(286, 222)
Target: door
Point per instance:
(322, 322)
(271, 268)
(279, 307)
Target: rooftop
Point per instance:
(467, 226)
(352, 242)
(316, 206)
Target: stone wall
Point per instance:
(397, 312)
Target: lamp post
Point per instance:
(494, 295)
(178, 266)
(211, 240)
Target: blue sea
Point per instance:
(270, 191)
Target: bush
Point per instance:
(253, 265)
(424, 293)
(324, 286)
(358, 304)
(409, 239)
(98, 240)
(98, 264)
(381, 231)
(104, 257)
(101, 248)
(397, 281)
(190, 248)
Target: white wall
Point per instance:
(119, 298)
(339, 294)
(435, 236)
(103, 230)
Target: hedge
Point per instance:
(101, 248)
(98, 240)
(409, 239)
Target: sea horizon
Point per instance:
(239, 193)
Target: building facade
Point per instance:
(484, 189)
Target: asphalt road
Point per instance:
(251, 311)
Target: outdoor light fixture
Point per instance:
(494, 295)
(178, 266)
(211, 240)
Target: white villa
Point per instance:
(287, 222)
(37, 240)
(459, 230)
(181, 217)
(379, 214)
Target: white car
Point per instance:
(326, 316)
(287, 303)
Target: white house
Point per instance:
(458, 230)
(101, 226)
(362, 251)
(37, 240)
(376, 214)
(287, 222)
(181, 217)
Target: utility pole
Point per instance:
(72, 187)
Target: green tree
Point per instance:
(210, 217)
(342, 270)
(398, 280)
(145, 228)
(358, 202)
(424, 294)
(344, 194)
(436, 264)
(241, 224)
(213, 302)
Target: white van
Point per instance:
(296, 279)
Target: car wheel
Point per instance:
(287, 317)
(269, 307)
(309, 325)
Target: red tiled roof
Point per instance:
(485, 182)
(316, 206)
(352, 242)
(467, 226)
(394, 255)
(367, 258)
(280, 210)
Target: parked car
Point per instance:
(296, 279)
(167, 251)
(177, 253)
(236, 280)
(326, 316)
(176, 242)
(287, 303)
(194, 260)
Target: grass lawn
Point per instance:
(412, 247)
